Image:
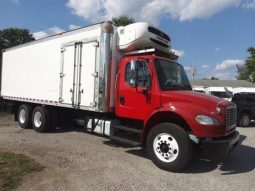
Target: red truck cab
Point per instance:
(156, 91)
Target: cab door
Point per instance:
(134, 99)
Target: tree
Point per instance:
(122, 21)
(14, 36)
(247, 71)
(214, 78)
(242, 73)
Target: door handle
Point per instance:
(122, 100)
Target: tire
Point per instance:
(24, 116)
(169, 147)
(41, 119)
(244, 120)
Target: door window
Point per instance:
(143, 78)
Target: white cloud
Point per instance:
(205, 66)
(179, 53)
(228, 64)
(72, 27)
(16, 2)
(224, 76)
(197, 9)
(248, 4)
(217, 49)
(47, 32)
(39, 35)
(187, 68)
(151, 10)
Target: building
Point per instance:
(222, 83)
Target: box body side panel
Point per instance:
(33, 71)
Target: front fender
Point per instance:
(188, 112)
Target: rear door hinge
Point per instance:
(95, 74)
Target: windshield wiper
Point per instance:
(173, 87)
(177, 87)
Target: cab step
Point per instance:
(125, 134)
(125, 128)
(127, 141)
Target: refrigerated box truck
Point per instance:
(121, 82)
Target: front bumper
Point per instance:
(219, 147)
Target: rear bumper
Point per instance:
(219, 147)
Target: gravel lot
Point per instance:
(76, 160)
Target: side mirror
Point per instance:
(133, 73)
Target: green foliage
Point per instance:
(214, 78)
(242, 73)
(13, 167)
(14, 36)
(247, 71)
(122, 21)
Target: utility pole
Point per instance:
(194, 70)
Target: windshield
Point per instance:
(171, 75)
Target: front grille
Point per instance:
(231, 115)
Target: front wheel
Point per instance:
(244, 120)
(169, 147)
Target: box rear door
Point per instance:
(79, 73)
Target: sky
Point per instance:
(210, 36)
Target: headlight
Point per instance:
(206, 120)
(218, 110)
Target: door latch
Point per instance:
(122, 100)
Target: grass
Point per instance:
(13, 167)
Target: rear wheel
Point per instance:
(24, 116)
(244, 120)
(41, 119)
(169, 147)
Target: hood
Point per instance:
(194, 98)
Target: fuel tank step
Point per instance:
(125, 134)
(125, 128)
(127, 141)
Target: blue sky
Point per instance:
(212, 35)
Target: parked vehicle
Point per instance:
(1, 104)
(242, 90)
(200, 89)
(245, 103)
(119, 82)
(221, 92)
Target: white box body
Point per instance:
(61, 70)
(72, 69)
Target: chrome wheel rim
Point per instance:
(245, 120)
(37, 119)
(22, 116)
(165, 147)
